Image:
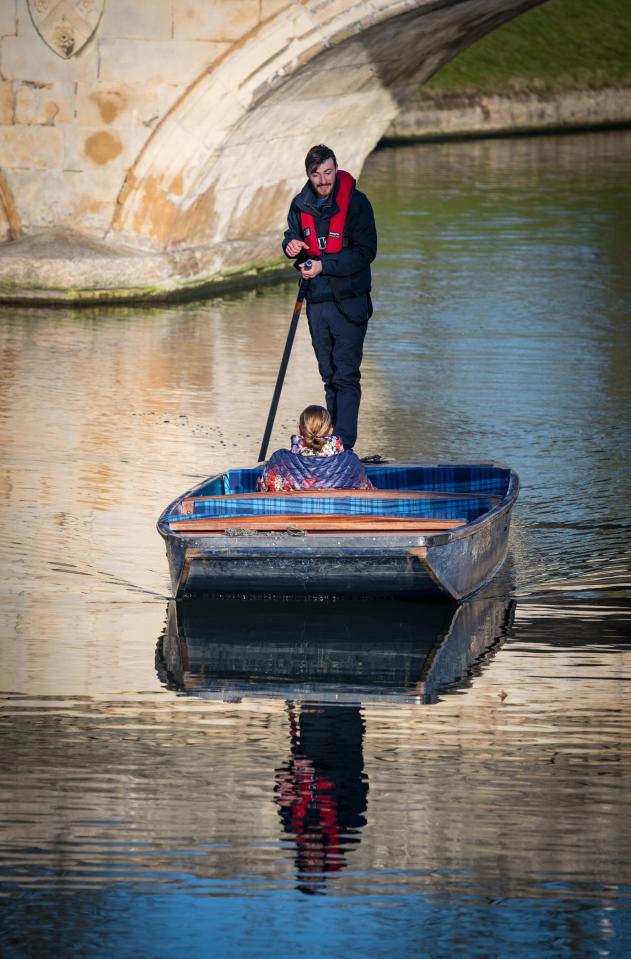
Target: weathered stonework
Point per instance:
(425, 118)
(8, 18)
(6, 103)
(37, 268)
(46, 104)
(31, 147)
(65, 25)
(170, 143)
(10, 226)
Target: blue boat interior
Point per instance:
(478, 482)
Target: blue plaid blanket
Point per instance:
(485, 480)
(271, 504)
(477, 478)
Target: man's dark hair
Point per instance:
(316, 156)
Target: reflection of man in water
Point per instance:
(322, 791)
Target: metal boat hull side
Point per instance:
(455, 567)
(176, 555)
(468, 561)
(176, 546)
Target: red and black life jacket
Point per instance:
(334, 240)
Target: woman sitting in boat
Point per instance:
(317, 459)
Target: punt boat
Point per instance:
(425, 530)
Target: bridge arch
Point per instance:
(217, 174)
(205, 199)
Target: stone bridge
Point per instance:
(151, 148)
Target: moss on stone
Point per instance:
(173, 289)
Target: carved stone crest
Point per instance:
(65, 25)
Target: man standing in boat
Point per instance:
(332, 225)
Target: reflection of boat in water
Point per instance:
(349, 651)
(325, 660)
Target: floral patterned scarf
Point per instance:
(332, 467)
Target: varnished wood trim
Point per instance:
(418, 552)
(319, 522)
(189, 556)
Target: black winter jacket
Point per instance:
(345, 274)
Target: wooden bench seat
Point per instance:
(316, 522)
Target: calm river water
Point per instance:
(246, 782)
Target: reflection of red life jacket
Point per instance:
(314, 793)
(333, 242)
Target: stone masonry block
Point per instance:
(279, 45)
(148, 20)
(31, 148)
(156, 61)
(67, 198)
(99, 148)
(8, 18)
(271, 7)
(30, 59)
(44, 103)
(270, 120)
(102, 104)
(6, 101)
(225, 20)
(321, 82)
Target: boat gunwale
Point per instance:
(351, 540)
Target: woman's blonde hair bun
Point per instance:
(315, 426)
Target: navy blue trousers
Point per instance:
(338, 343)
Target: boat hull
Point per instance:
(293, 562)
